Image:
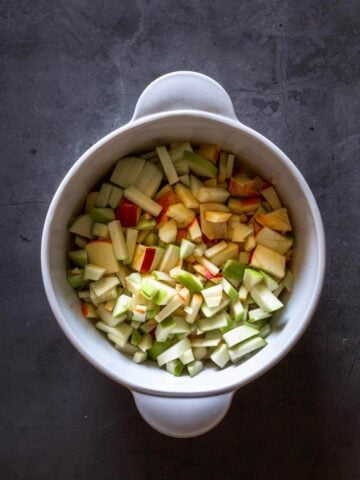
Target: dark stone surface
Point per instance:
(71, 71)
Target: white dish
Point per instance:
(176, 107)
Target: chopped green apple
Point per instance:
(220, 355)
(167, 164)
(82, 226)
(102, 198)
(251, 278)
(239, 334)
(199, 165)
(164, 329)
(239, 351)
(189, 281)
(78, 257)
(233, 271)
(102, 215)
(142, 200)
(265, 299)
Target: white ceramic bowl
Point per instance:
(185, 106)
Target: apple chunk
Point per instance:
(213, 230)
(269, 261)
(165, 198)
(146, 259)
(273, 240)
(101, 253)
(276, 220)
(181, 214)
(242, 186)
(128, 213)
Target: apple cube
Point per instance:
(217, 217)
(242, 186)
(101, 253)
(168, 232)
(195, 231)
(185, 195)
(210, 152)
(128, 213)
(213, 230)
(273, 240)
(166, 198)
(268, 260)
(276, 220)
(146, 258)
(199, 165)
(181, 214)
(244, 206)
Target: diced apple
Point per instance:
(142, 200)
(230, 165)
(222, 167)
(190, 281)
(273, 240)
(90, 201)
(199, 165)
(186, 196)
(167, 164)
(181, 214)
(102, 198)
(249, 243)
(100, 230)
(146, 258)
(210, 152)
(102, 215)
(131, 238)
(115, 197)
(217, 217)
(166, 198)
(170, 308)
(88, 310)
(265, 299)
(195, 185)
(82, 226)
(240, 232)
(276, 220)
(207, 194)
(268, 260)
(170, 258)
(101, 253)
(127, 171)
(244, 206)
(242, 186)
(271, 197)
(118, 240)
(219, 247)
(102, 286)
(230, 252)
(128, 213)
(213, 269)
(195, 231)
(168, 232)
(186, 248)
(212, 295)
(213, 230)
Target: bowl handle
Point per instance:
(184, 91)
(183, 417)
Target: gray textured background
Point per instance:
(70, 72)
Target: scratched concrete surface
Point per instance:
(70, 72)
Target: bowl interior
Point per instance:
(261, 156)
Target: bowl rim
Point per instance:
(318, 230)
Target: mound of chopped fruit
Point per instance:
(181, 257)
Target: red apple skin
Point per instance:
(252, 200)
(265, 185)
(167, 199)
(181, 233)
(148, 259)
(128, 213)
(242, 190)
(84, 309)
